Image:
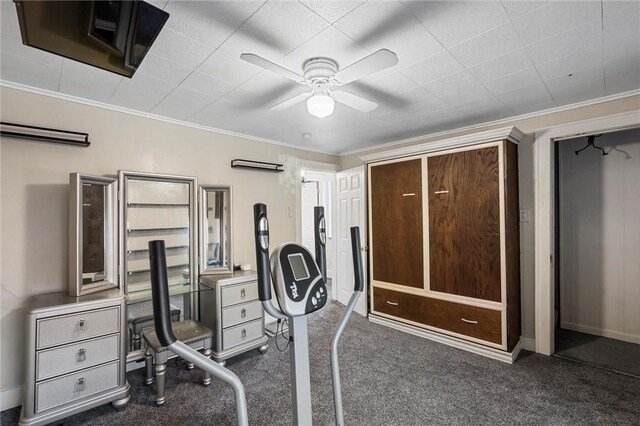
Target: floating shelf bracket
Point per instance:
(44, 134)
(257, 165)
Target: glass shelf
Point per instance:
(181, 289)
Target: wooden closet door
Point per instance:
(396, 223)
(464, 223)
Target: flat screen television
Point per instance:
(112, 35)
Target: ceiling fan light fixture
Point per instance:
(320, 105)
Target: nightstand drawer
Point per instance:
(71, 328)
(69, 358)
(239, 293)
(241, 313)
(242, 333)
(62, 390)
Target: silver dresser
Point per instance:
(76, 353)
(234, 313)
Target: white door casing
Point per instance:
(544, 215)
(351, 206)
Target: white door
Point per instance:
(316, 190)
(351, 212)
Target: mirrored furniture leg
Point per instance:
(76, 352)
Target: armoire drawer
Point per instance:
(473, 321)
(239, 293)
(242, 333)
(69, 358)
(241, 313)
(71, 328)
(55, 392)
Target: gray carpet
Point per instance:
(599, 351)
(389, 378)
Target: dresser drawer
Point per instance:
(239, 293)
(241, 313)
(71, 328)
(69, 358)
(473, 321)
(55, 392)
(234, 336)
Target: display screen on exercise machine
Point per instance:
(298, 266)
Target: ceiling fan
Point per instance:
(322, 75)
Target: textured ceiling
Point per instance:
(460, 63)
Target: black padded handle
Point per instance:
(160, 293)
(358, 274)
(261, 228)
(320, 233)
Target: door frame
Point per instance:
(316, 166)
(544, 217)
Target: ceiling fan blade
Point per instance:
(271, 66)
(353, 101)
(290, 102)
(368, 65)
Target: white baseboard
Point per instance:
(625, 337)
(497, 354)
(528, 344)
(10, 398)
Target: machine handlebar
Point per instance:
(160, 292)
(261, 230)
(320, 234)
(358, 274)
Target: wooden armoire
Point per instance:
(444, 256)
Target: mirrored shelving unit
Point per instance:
(157, 207)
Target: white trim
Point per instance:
(544, 216)
(528, 344)
(317, 166)
(507, 120)
(497, 354)
(116, 108)
(10, 398)
(597, 331)
(510, 133)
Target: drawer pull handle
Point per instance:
(244, 333)
(392, 303)
(243, 293)
(80, 384)
(243, 312)
(81, 327)
(469, 321)
(409, 194)
(441, 192)
(82, 355)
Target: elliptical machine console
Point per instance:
(298, 282)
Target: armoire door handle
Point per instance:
(469, 321)
(442, 192)
(392, 303)
(409, 194)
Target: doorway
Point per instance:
(597, 238)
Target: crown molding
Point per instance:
(510, 133)
(508, 120)
(97, 104)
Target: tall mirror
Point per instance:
(216, 232)
(93, 234)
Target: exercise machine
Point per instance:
(299, 284)
(162, 321)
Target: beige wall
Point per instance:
(34, 193)
(526, 170)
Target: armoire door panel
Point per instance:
(396, 223)
(464, 223)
